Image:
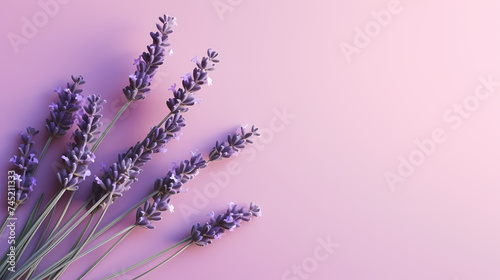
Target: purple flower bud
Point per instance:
(147, 64)
(64, 112)
(184, 97)
(203, 235)
(78, 156)
(121, 174)
(145, 216)
(25, 163)
(233, 144)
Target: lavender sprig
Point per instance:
(78, 155)
(166, 187)
(26, 163)
(184, 97)
(91, 119)
(147, 64)
(179, 175)
(203, 235)
(121, 174)
(148, 214)
(146, 67)
(63, 113)
(233, 144)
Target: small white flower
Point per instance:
(209, 80)
(53, 106)
(174, 178)
(171, 52)
(87, 173)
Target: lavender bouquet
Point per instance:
(50, 222)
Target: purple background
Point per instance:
(363, 83)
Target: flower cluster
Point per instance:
(71, 108)
(124, 172)
(184, 97)
(179, 175)
(78, 155)
(90, 120)
(147, 64)
(233, 144)
(203, 235)
(26, 163)
(166, 187)
(64, 112)
(148, 214)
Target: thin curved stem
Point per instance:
(116, 220)
(163, 262)
(165, 119)
(60, 263)
(42, 154)
(110, 125)
(45, 249)
(148, 259)
(106, 253)
(87, 240)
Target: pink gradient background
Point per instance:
(323, 174)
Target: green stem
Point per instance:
(31, 219)
(33, 269)
(23, 231)
(45, 249)
(75, 245)
(163, 262)
(87, 240)
(31, 232)
(61, 262)
(7, 220)
(73, 217)
(116, 220)
(107, 227)
(165, 119)
(62, 214)
(46, 228)
(42, 154)
(106, 131)
(148, 259)
(106, 253)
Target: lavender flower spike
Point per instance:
(148, 214)
(121, 174)
(63, 113)
(26, 163)
(203, 235)
(147, 64)
(166, 187)
(179, 175)
(184, 97)
(233, 144)
(78, 155)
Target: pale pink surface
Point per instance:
(321, 174)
